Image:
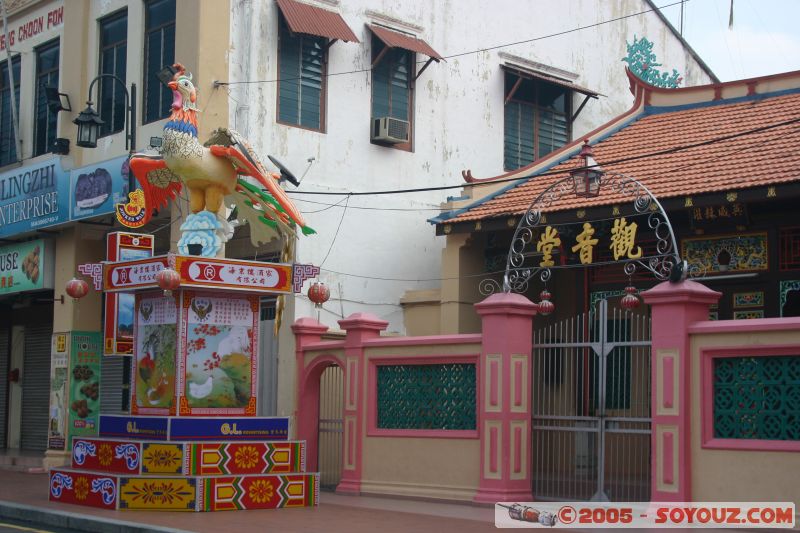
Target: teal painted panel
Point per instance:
(438, 396)
(757, 397)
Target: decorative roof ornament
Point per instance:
(643, 62)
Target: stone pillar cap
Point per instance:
(363, 321)
(683, 291)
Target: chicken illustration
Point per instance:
(202, 390)
(212, 172)
(146, 367)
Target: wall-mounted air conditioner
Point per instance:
(390, 130)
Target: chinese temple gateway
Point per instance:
(720, 160)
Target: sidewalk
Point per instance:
(20, 492)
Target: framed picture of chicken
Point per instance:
(218, 346)
(154, 376)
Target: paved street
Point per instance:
(335, 513)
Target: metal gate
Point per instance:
(331, 395)
(591, 407)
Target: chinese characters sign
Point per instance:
(84, 389)
(622, 243)
(246, 275)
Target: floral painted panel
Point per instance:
(747, 253)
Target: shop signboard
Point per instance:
(33, 197)
(26, 266)
(85, 350)
(59, 380)
(96, 188)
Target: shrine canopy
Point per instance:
(708, 149)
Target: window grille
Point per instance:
(159, 51)
(434, 396)
(46, 119)
(789, 248)
(8, 146)
(113, 60)
(757, 397)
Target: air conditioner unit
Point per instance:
(390, 130)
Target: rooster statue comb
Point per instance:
(213, 172)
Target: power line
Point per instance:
(469, 52)
(666, 151)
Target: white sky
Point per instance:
(764, 39)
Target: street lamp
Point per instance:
(586, 180)
(89, 121)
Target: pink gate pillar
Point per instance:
(504, 398)
(307, 331)
(674, 307)
(360, 328)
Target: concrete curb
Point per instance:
(79, 522)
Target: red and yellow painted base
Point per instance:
(211, 493)
(154, 458)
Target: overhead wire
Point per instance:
(638, 157)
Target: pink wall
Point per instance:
(503, 395)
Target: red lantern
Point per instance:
(77, 288)
(318, 293)
(168, 279)
(546, 307)
(630, 301)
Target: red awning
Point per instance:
(532, 74)
(395, 39)
(311, 20)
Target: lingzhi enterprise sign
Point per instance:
(33, 196)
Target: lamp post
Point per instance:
(586, 180)
(89, 121)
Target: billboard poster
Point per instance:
(26, 266)
(59, 379)
(219, 343)
(96, 188)
(84, 389)
(33, 196)
(156, 321)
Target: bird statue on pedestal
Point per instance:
(212, 172)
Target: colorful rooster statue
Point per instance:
(212, 172)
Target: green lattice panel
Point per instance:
(426, 396)
(757, 397)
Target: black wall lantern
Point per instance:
(89, 121)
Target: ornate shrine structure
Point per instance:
(193, 441)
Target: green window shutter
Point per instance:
(301, 79)
(400, 84)
(553, 132)
(311, 82)
(391, 85)
(519, 122)
(380, 89)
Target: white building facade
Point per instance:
(313, 102)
